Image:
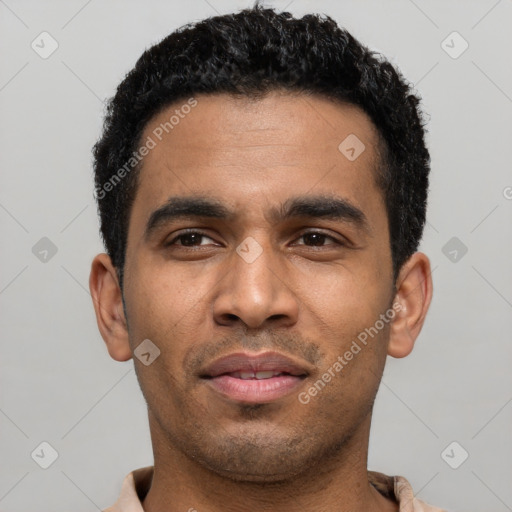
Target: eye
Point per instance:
(316, 238)
(192, 238)
(188, 239)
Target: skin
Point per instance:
(308, 297)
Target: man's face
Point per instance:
(303, 286)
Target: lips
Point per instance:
(260, 378)
(256, 375)
(246, 366)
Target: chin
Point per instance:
(256, 457)
(250, 474)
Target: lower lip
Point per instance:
(255, 390)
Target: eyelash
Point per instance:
(200, 233)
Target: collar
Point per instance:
(396, 488)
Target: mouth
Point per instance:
(259, 378)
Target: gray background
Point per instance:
(57, 382)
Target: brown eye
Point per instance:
(188, 239)
(316, 239)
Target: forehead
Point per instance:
(248, 152)
(300, 127)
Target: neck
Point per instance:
(338, 481)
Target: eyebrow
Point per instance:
(311, 207)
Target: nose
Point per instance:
(256, 292)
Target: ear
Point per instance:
(412, 300)
(108, 305)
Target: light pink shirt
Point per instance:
(137, 483)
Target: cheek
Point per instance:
(355, 349)
(162, 307)
(345, 302)
(157, 305)
(170, 307)
(161, 293)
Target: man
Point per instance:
(262, 184)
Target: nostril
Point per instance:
(276, 317)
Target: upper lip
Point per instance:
(244, 362)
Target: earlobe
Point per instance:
(108, 306)
(411, 303)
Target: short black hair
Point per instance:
(251, 53)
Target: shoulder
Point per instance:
(133, 490)
(399, 489)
